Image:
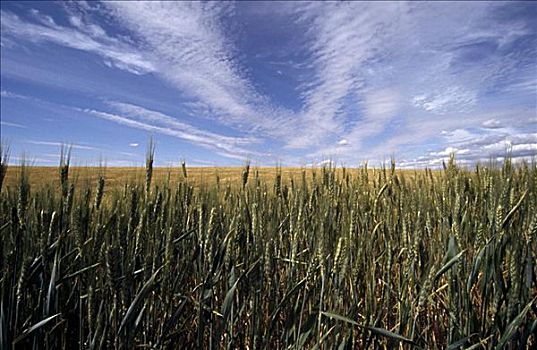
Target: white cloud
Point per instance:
(62, 144)
(189, 132)
(9, 94)
(527, 147)
(42, 18)
(30, 160)
(134, 144)
(448, 151)
(453, 98)
(382, 104)
(351, 52)
(220, 144)
(326, 162)
(492, 124)
(458, 136)
(123, 55)
(380, 107)
(528, 85)
(343, 37)
(481, 149)
(507, 145)
(503, 145)
(15, 125)
(191, 51)
(81, 146)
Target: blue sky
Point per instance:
(277, 83)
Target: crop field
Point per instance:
(268, 258)
(117, 177)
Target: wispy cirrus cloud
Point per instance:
(437, 72)
(368, 80)
(81, 146)
(153, 121)
(14, 125)
(190, 132)
(492, 124)
(9, 94)
(31, 160)
(64, 144)
(343, 38)
(454, 98)
(192, 52)
(498, 152)
(470, 146)
(118, 52)
(350, 43)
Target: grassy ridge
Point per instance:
(327, 258)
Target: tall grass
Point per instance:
(342, 259)
(4, 160)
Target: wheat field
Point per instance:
(258, 258)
